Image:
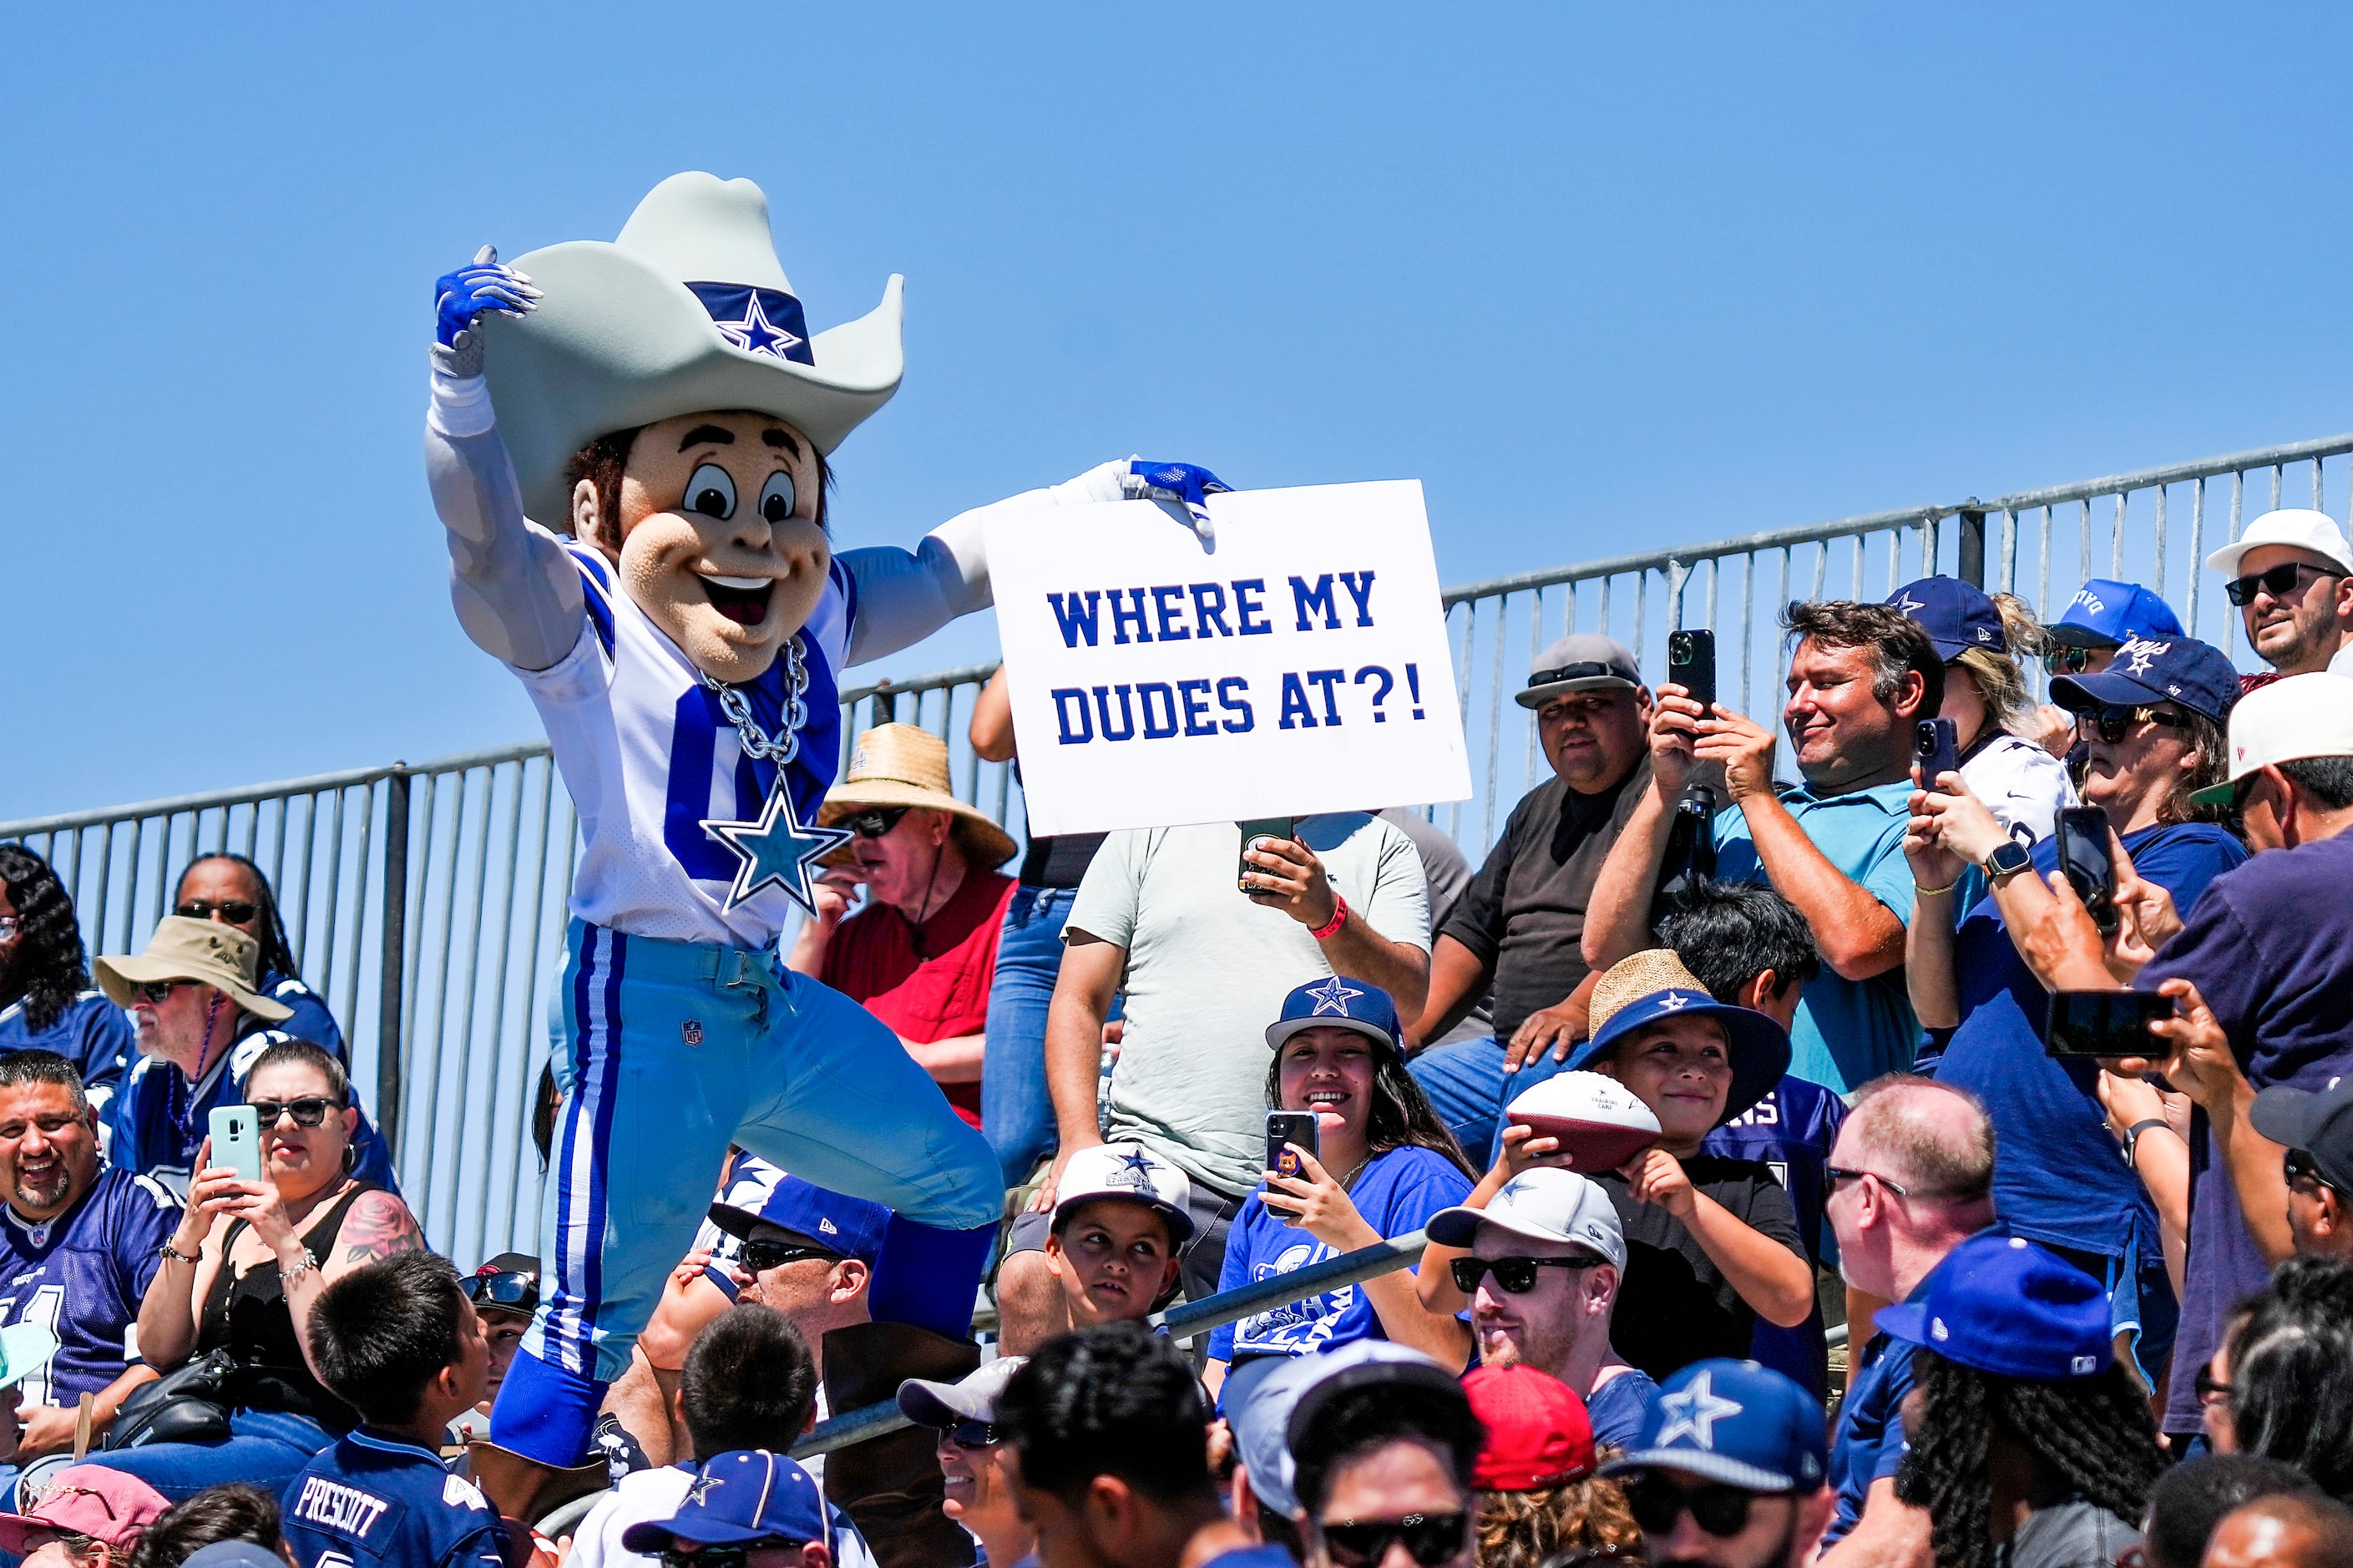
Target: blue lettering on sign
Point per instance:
(1127, 731)
(1236, 701)
(1307, 600)
(1064, 697)
(1245, 607)
(1362, 593)
(1077, 620)
(1121, 619)
(1169, 616)
(1209, 609)
(1165, 725)
(1296, 714)
(1197, 708)
(1328, 678)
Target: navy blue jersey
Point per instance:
(82, 1275)
(93, 1032)
(373, 1498)
(160, 1121)
(312, 1021)
(1791, 1131)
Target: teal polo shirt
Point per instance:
(1848, 1031)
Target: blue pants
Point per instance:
(1016, 1114)
(1467, 1087)
(674, 1050)
(266, 1448)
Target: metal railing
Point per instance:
(442, 990)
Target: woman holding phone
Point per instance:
(247, 1265)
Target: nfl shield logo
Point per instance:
(690, 1031)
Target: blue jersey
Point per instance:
(377, 1500)
(160, 1122)
(81, 1275)
(311, 1022)
(93, 1032)
(1790, 1130)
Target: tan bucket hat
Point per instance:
(904, 764)
(184, 949)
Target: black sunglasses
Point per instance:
(1838, 1173)
(155, 993)
(2070, 658)
(2279, 582)
(726, 1556)
(1515, 1276)
(2300, 1165)
(759, 1256)
(310, 1111)
(1430, 1539)
(498, 1288)
(2112, 722)
(969, 1434)
(236, 911)
(875, 820)
(1657, 1502)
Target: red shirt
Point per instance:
(930, 981)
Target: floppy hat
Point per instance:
(1957, 616)
(1735, 1422)
(86, 1499)
(1132, 1173)
(972, 1397)
(2286, 721)
(850, 1227)
(1545, 1204)
(688, 309)
(1581, 661)
(739, 1498)
(1599, 1123)
(2318, 1122)
(903, 764)
(181, 948)
(1653, 985)
(2105, 613)
(2293, 526)
(1539, 1433)
(2002, 1305)
(2197, 675)
(1337, 1003)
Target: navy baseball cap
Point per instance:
(2318, 1122)
(2003, 1305)
(737, 1499)
(1957, 616)
(1653, 986)
(2197, 675)
(1338, 1002)
(1735, 1422)
(850, 1227)
(1258, 1397)
(2105, 613)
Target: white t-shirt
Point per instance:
(2023, 785)
(1207, 971)
(646, 1495)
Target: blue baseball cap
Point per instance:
(1957, 616)
(1735, 1422)
(2198, 676)
(851, 1228)
(2105, 613)
(1653, 986)
(737, 1499)
(1258, 1397)
(2003, 1305)
(1338, 1002)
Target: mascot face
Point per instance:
(720, 541)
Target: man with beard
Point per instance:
(2291, 578)
(78, 1246)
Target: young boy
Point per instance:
(1121, 1221)
(399, 1341)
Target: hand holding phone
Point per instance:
(2084, 856)
(1256, 833)
(236, 1141)
(1937, 747)
(2104, 1023)
(1691, 664)
(1285, 1129)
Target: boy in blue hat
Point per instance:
(1729, 1470)
(750, 1508)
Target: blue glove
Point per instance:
(1186, 484)
(481, 286)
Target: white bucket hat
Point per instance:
(2296, 526)
(688, 309)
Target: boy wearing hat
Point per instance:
(752, 1508)
(1120, 1219)
(1729, 1470)
(2291, 578)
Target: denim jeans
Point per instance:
(265, 1448)
(1017, 1115)
(1467, 1087)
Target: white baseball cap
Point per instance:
(2303, 529)
(2302, 716)
(1132, 1172)
(1546, 1203)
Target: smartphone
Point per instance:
(1255, 833)
(2103, 1023)
(2084, 856)
(236, 1139)
(1691, 664)
(1284, 1128)
(1937, 747)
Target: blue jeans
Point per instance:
(1016, 1114)
(1467, 1085)
(266, 1448)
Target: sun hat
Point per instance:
(1735, 1422)
(1957, 616)
(2002, 1305)
(904, 764)
(86, 1499)
(2296, 527)
(2105, 613)
(847, 1227)
(2287, 721)
(1539, 1433)
(687, 309)
(181, 948)
(737, 1499)
(1338, 1002)
(1600, 1122)
(972, 1397)
(1581, 661)
(2195, 675)
(1653, 985)
(1545, 1204)
(1130, 1171)
(2318, 1122)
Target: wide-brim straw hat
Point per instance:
(903, 764)
(1654, 986)
(181, 948)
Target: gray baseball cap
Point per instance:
(1581, 661)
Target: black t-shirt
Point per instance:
(1673, 1305)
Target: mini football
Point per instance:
(1600, 1126)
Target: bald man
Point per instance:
(2284, 1533)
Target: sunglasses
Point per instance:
(2300, 1165)
(759, 1256)
(1838, 1173)
(2068, 660)
(1657, 1502)
(2279, 582)
(969, 1434)
(1430, 1539)
(310, 1111)
(155, 993)
(2112, 722)
(875, 821)
(1514, 1276)
(726, 1556)
(517, 1292)
(236, 911)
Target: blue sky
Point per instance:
(1601, 279)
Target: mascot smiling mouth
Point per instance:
(743, 600)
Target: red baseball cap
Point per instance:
(86, 1499)
(1539, 1434)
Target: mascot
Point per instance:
(626, 444)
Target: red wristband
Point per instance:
(1339, 919)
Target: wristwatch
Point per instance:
(2132, 1137)
(2008, 859)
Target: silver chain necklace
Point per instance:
(754, 741)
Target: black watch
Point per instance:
(2008, 859)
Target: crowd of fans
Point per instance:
(1711, 1102)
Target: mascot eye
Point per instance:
(712, 493)
(776, 496)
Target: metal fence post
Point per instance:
(1972, 562)
(392, 957)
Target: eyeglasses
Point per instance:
(1514, 1276)
(2299, 1165)
(759, 1256)
(310, 1111)
(2069, 659)
(969, 1434)
(1430, 1539)
(498, 1288)
(875, 821)
(156, 991)
(2112, 722)
(726, 1556)
(1838, 1173)
(236, 911)
(1657, 1502)
(2209, 1390)
(2279, 582)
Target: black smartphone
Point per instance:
(1691, 664)
(1285, 1128)
(1255, 833)
(1937, 747)
(2084, 856)
(2103, 1023)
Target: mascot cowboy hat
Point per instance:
(688, 309)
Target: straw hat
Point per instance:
(184, 949)
(903, 764)
(1652, 987)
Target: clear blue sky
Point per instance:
(1601, 277)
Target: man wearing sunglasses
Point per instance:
(2290, 576)
(1729, 1470)
(1384, 1449)
(2316, 1128)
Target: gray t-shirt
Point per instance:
(1207, 971)
(1448, 875)
(2072, 1535)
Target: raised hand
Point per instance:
(1187, 484)
(479, 287)
(1675, 730)
(1744, 746)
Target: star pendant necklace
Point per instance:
(775, 848)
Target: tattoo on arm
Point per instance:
(379, 1227)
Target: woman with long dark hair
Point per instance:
(2289, 1395)
(47, 1002)
(1384, 1165)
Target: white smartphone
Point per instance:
(236, 1139)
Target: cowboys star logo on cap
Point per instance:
(1674, 1001)
(755, 334)
(1333, 997)
(1909, 605)
(704, 1485)
(1135, 1171)
(2138, 652)
(1694, 1412)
